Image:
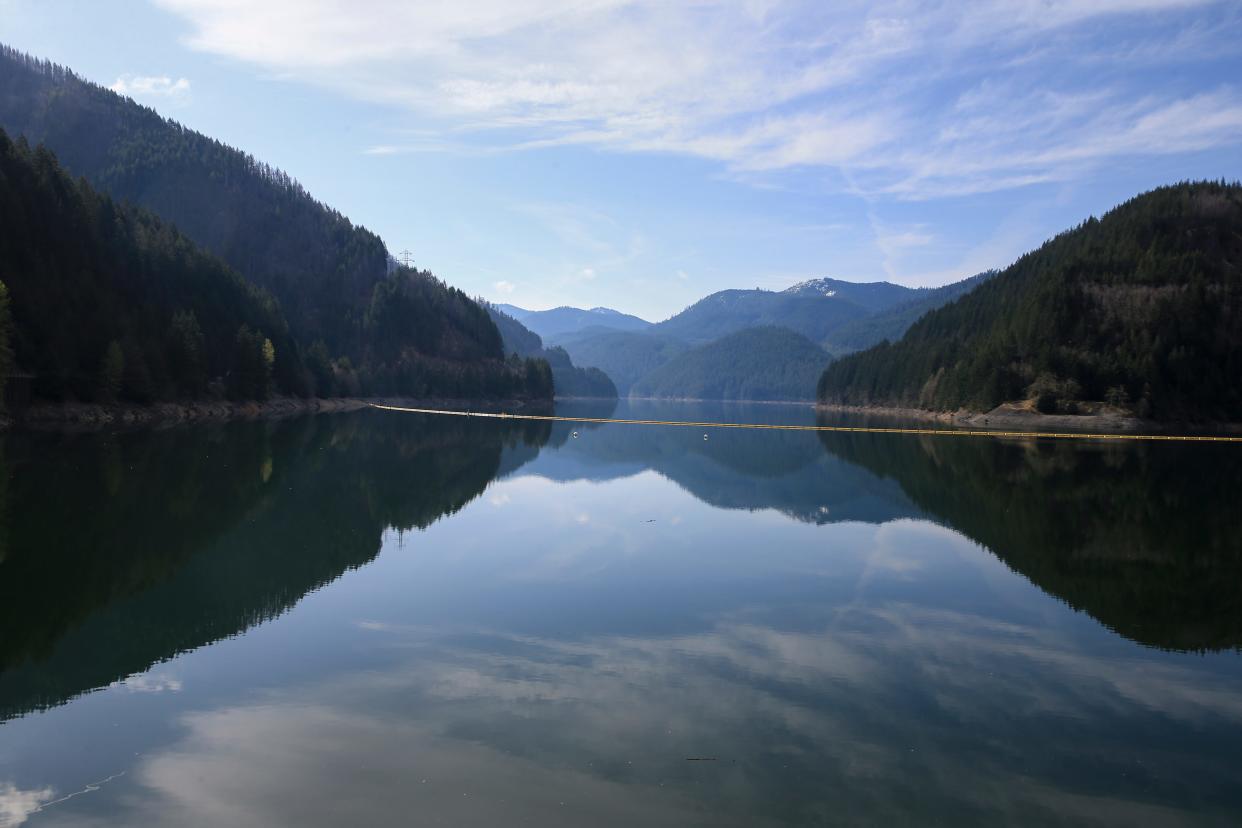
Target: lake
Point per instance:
(396, 619)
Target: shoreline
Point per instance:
(98, 416)
(1011, 417)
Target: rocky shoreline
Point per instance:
(90, 416)
(1019, 417)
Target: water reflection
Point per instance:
(125, 549)
(475, 623)
(1144, 537)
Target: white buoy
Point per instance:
(575, 435)
(704, 436)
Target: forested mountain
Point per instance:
(624, 356)
(110, 302)
(1141, 308)
(874, 296)
(362, 328)
(568, 379)
(556, 324)
(892, 322)
(813, 316)
(766, 363)
(841, 316)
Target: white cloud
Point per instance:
(914, 99)
(152, 86)
(505, 287)
(151, 683)
(17, 805)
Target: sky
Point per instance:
(640, 154)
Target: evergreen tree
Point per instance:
(6, 335)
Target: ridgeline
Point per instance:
(1139, 311)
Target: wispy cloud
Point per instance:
(916, 100)
(152, 86)
(505, 287)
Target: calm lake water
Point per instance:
(393, 619)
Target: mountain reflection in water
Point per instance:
(421, 619)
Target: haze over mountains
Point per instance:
(830, 315)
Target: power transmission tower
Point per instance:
(406, 258)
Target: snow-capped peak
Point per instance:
(818, 287)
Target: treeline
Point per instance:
(354, 322)
(568, 380)
(767, 363)
(108, 302)
(1140, 309)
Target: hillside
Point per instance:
(727, 311)
(558, 323)
(1141, 309)
(766, 363)
(109, 302)
(626, 357)
(893, 322)
(398, 332)
(568, 380)
(873, 296)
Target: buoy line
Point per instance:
(947, 432)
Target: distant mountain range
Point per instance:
(764, 363)
(568, 380)
(831, 315)
(557, 323)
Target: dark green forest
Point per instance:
(1140, 309)
(892, 323)
(340, 316)
(767, 363)
(625, 356)
(109, 302)
(568, 380)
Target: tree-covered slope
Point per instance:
(373, 328)
(568, 380)
(767, 363)
(108, 301)
(625, 356)
(814, 316)
(1141, 308)
(893, 322)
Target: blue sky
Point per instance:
(640, 154)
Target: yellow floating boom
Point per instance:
(947, 432)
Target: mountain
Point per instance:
(874, 296)
(892, 323)
(559, 322)
(841, 316)
(766, 363)
(625, 356)
(1141, 308)
(108, 301)
(568, 380)
(727, 311)
(374, 328)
